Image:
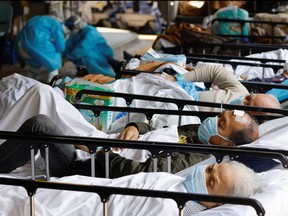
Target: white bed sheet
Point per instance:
(142, 84)
(14, 200)
(273, 198)
(12, 88)
(250, 72)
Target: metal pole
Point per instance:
(155, 161)
(32, 162)
(47, 163)
(179, 120)
(169, 163)
(32, 205)
(168, 14)
(106, 163)
(105, 208)
(93, 164)
(181, 212)
(128, 115)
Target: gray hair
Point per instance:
(246, 181)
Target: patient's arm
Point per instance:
(98, 78)
(82, 147)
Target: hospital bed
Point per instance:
(149, 112)
(274, 190)
(193, 43)
(252, 38)
(105, 191)
(155, 148)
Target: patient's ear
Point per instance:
(231, 144)
(210, 204)
(217, 140)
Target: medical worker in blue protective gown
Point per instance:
(40, 44)
(86, 46)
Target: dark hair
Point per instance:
(70, 22)
(245, 135)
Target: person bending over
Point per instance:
(86, 46)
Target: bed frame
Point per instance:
(155, 148)
(243, 37)
(105, 192)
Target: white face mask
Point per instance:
(209, 128)
(238, 101)
(195, 181)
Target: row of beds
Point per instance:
(275, 180)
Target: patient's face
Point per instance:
(218, 181)
(227, 123)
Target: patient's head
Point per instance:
(74, 23)
(230, 128)
(227, 179)
(262, 100)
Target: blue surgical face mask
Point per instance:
(209, 128)
(238, 101)
(195, 182)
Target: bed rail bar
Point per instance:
(105, 192)
(180, 104)
(244, 22)
(234, 64)
(262, 60)
(263, 85)
(201, 114)
(154, 147)
(243, 47)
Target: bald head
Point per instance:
(262, 100)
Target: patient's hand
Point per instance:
(129, 133)
(98, 78)
(167, 77)
(82, 147)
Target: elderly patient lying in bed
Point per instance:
(234, 179)
(42, 99)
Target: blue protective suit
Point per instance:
(42, 38)
(89, 48)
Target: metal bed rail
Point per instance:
(254, 86)
(262, 60)
(155, 149)
(179, 103)
(234, 64)
(243, 48)
(105, 192)
(250, 85)
(245, 22)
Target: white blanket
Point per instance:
(12, 88)
(148, 84)
(250, 72)
(14, 200)
(143, 84)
